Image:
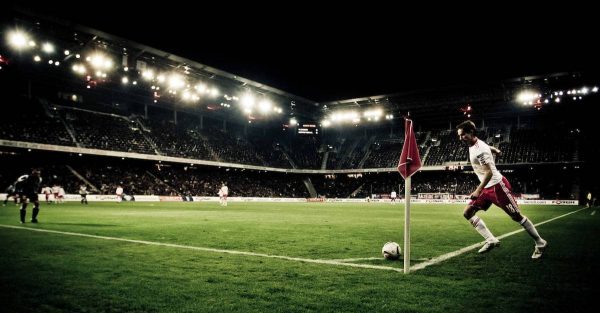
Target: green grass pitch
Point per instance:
(57, 272)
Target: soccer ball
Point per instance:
(391, 250)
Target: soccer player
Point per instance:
(393, 196)
(494, 188)
(47, 191)
(119, 193)
(223, 192)
(27, 187)
(61, 194)
(83, 193)
(55, 190)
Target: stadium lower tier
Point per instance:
(102, 175)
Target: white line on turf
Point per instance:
(593, 212)
(330, 262)
(339, 262)
(452, 254)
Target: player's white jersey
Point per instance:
(120, 191)
(224, 191)
(55, 189)
(480, 154)
(393, 195)
(61, 191)
(46, 190)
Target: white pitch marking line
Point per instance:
(330, 262)
(593, 212)
(354, 259)
(452, 254)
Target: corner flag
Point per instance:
(409, 163)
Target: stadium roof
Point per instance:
(338, 61)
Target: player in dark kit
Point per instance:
(27, 187)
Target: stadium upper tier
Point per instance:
(63, 124)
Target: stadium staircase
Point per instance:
(348, 152)
(144, 131)
(45, 104)
(212, 152)
(87, 182)
(366, 148)
(287, 156)
(324, 163)
(310, 187)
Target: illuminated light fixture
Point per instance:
(176, 81)
(148, 75)
(18, 39)
(265, 106)
(47, 47)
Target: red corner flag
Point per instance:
(410, 162)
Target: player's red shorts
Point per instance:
(501, 195)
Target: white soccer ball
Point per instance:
(391, 250)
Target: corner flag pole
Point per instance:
(409, 163)
(407, 226)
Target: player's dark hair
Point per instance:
(467, 127)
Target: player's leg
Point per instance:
(481, 203)
(23, 209)
(36, 208)
(506, 201)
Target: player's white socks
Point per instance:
(482, 229)
(528, 225)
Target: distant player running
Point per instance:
(494, 188)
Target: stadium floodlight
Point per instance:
(200, 87)
(50, 62)
(56, 63)
(125, 80)
(78, 56)
(148, 74)
(248, 101)
(527, 96)
(584, 90)
(293, 121)
(214, 92)
(48, 47)
(326, 123)
(595, 89)
(100, 61)
(19, 40)
(264, 106)
(176, 81)
(67, 52)
(37, 58)
(375, 113)
(557, 100)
